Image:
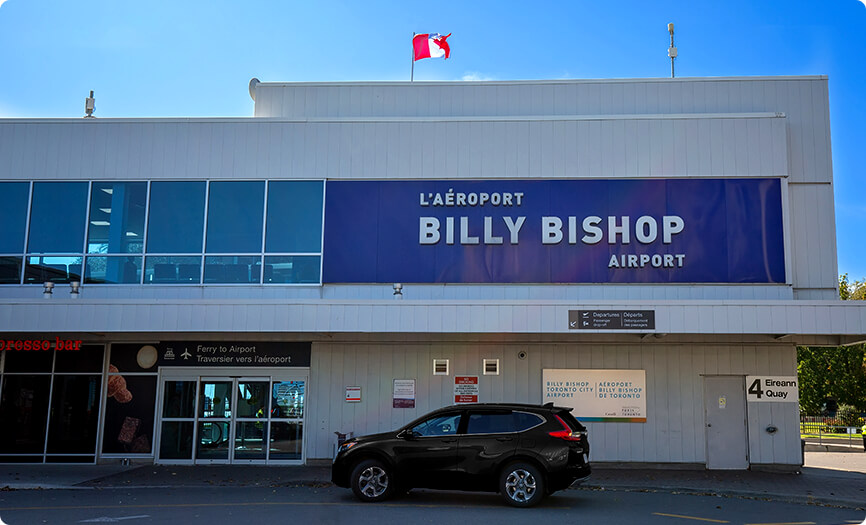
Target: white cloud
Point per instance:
(1, 5)
(474, 76)
(861, 1)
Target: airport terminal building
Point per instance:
(246, 290)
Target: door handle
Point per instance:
(503, 439)
(449, 440)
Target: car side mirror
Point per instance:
(406, 434)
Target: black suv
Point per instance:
(521, 451)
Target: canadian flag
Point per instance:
(431, 45)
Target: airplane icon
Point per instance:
(186, 355)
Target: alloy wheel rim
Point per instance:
(373, 481)
(520, 485)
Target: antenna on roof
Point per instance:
(89, 105)
(672, 51)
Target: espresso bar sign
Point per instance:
(211, 353)
(611, 320)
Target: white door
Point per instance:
(725, 407)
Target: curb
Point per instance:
(784, 498)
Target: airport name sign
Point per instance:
(554, 231)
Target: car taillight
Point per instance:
(566, 433)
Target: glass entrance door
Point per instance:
(251, 422)
(223, 420)
(214, 420)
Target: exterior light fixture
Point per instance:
(398, 291)
(74, 292)
(47, 289)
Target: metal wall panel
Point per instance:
(673, 433)
(813, 239)
(804, 100)
(844, 319)
(487, 149)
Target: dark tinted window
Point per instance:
(114, 270)
(13, 216)
(75, 412)
(24, 408)
(87, 359)
(230, 269)
(573, 423)
(57, 217)
(168, 270)
(179, 399)
(294, 217)
(10, 270)
(442, 425)
(176, 219)
(116, 217)
(234, 217)
(299, 269)
(40, 269)
(500, 422)
(32, 361)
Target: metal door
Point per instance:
(725, 410)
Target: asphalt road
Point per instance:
(331, 505)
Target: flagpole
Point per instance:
(412, 75)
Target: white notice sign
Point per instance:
(404, 393)
(597, 395)
(761, 389)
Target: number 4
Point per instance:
(755, 388)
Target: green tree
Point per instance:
(831, 373)
(834, 373)
(849, 291)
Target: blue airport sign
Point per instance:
(554, 231)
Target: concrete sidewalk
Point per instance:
(827, 478)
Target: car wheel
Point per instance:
(372, 481)
(521, 485)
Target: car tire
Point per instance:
(372, 481)
(521, 485)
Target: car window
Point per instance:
(573, 423)
(501, 422)
(443, 425)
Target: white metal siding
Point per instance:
(819, 318)
(743, 146)
(804, 100)
(673, 433)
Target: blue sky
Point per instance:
(195, 58)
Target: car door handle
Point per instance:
(503, 439)
(449, 440)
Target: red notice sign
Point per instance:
(465, 389)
